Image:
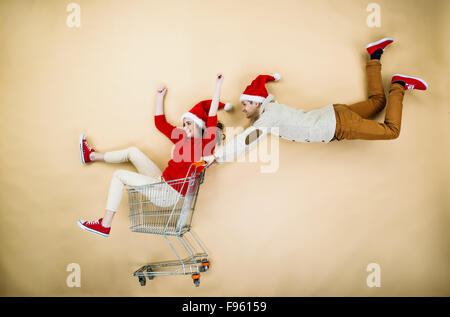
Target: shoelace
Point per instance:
(89, 148)
(92, 222)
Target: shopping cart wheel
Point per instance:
(205, 266)
(142, 280)
(196, 279)
(149, 270)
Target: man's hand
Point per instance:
(209, 159)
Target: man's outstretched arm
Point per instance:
(239, 145)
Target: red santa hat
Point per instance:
(256, 91)
(199, 112)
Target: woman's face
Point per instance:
(191, 129)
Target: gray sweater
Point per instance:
(318, 125)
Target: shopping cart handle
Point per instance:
(199, 163)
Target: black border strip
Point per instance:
(252, 305)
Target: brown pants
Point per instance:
(352, 121)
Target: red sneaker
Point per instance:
(372, 47)
(411, 82)
(85, 150)
(94, 227)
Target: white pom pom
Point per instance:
(276, 76)
(228, 106)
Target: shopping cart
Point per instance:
(154, 209)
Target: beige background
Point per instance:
(310, 229)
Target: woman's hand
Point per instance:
(219, 79)
(209, 159)
(161, 91)
(160, 100)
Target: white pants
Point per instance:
(162, 195)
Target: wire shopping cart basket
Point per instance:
(160, 209)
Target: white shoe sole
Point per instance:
(416, 78)
(380, 41)
(80, 224)
(81, 148)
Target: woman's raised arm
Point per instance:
(160, 119)
(160, 100)
(216, 97)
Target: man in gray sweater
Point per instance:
(333, 122)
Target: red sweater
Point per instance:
(186, 151)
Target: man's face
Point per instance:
(251, 109)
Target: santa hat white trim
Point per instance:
(251, 98)
(196, 119)
(276, 76)
(228, 106)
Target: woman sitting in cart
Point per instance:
(198, 138)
